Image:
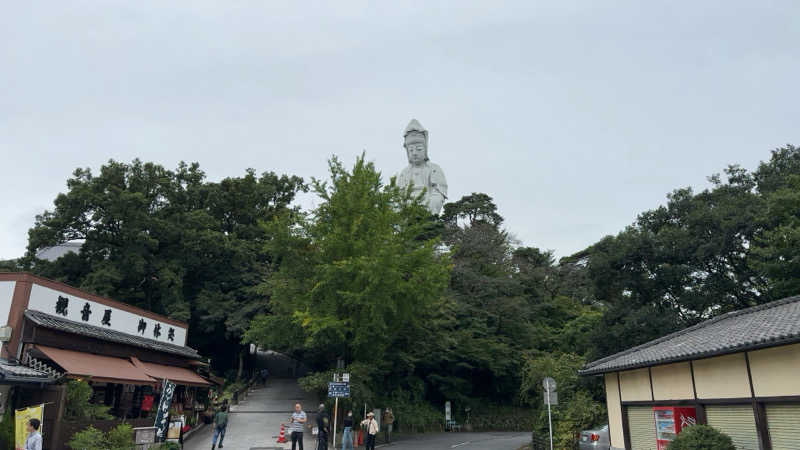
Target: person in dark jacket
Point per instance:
(347, 436)
(323, 425)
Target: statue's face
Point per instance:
(416, 149)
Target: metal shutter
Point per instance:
(642, 427)
(783, 422)
(738, 422)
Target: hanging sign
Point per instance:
(168, 388)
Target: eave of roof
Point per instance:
(8, 375)
(605, 365)
(68, 326)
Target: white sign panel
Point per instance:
(81, 310)
(6, 294)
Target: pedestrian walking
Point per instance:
(296, 425)
(388, 424)
(220, 425)
(34, 440)
(347, 436)
(372, 430)
(323, 427)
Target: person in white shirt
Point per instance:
(372, 430)
(34, 441)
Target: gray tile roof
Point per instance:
(12, 372)
(766, 325)
(57, 323)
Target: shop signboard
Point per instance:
(83, 310)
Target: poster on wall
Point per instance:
(21, 418)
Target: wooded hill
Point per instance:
(421, 308)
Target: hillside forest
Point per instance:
(421, 308)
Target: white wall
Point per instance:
(6, 294)
(45, 299)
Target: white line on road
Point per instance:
(459, 445)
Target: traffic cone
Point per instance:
(360, 437)
(282, 436)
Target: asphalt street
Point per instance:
(256, 421)
(462, 441)
(255, 424)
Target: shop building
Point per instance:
(57, 332)
(738, 372)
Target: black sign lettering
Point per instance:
(157, 330)
(86, 312)
(142, 326)
(61, 305)
(171, 334)
(107, 317)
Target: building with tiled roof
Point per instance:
(54, 332)
(738, 372)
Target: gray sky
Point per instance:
(574, 115)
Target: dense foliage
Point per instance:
(78, 405)
(421, 308)
(118, 438)
(701, 437)
(168, 241)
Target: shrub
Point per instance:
(121, 437)
(78, 406)
(701, 437)
(89, 439)
(7, 428)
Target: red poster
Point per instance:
(147, 403)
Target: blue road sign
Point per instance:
(338, 389)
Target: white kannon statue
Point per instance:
(420, 173)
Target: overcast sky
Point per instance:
(574, 115)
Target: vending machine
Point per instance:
(670, 420)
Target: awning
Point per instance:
(105, 369)
(178, 375)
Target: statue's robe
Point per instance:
(427, 176)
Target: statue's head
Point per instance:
(416, 142)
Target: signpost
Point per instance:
(550, 398)
(337, 389)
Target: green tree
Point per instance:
(168, 241)
(353, 279)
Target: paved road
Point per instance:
(462, 441)
(256, 421)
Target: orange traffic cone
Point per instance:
(282, 436)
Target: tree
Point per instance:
(353, 280)
(170, 242)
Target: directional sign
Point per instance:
(549, 384)
(336, 389)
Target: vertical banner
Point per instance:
(21, 418)
(167, 389)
